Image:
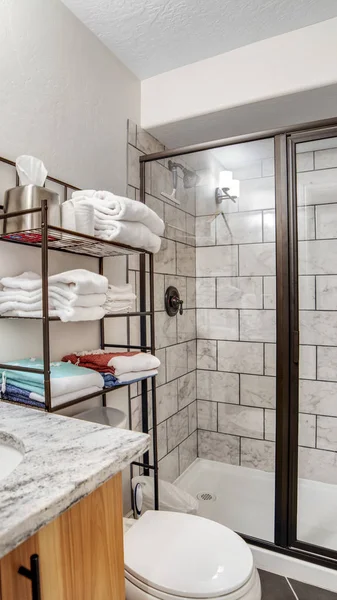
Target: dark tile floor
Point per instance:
(275, 587)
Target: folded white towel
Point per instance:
(71, 313)
(142, 361)
(26, 300)
(136, 235)
(63, 398)
(79, 281)
(136, 375)
(122, 209)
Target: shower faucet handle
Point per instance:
(180, 305)
(173, 303)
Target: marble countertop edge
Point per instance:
(34, 523)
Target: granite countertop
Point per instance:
(64, 460)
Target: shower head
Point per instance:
(190, 179)
(172, 197)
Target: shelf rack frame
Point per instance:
(49, 237)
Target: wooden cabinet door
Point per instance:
(81, 552)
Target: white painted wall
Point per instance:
(65, 98)
(286, 64)
(63, 95)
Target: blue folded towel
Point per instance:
(110, 380)
(16, 394)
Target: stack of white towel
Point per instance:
(77, 295)
(118, 219)
(120, 298)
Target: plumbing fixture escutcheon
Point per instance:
(173, 303)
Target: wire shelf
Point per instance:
(96, 394)
(71, 241)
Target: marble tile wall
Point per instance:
(175, 336)
(317, 187)
(236, 321)
(216, 386)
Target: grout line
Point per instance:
(291, 587)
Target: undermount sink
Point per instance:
(11, 454)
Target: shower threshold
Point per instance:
(243, 499)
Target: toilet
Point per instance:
(178, 556)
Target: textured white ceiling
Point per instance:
(154, 36)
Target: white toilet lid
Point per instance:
(185, 555)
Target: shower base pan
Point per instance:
(243, 500)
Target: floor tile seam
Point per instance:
(292, 589)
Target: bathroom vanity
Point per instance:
(61, 515)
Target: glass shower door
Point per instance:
(316, 187)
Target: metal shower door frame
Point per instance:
(287, 337)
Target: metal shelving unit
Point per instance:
(48, 237)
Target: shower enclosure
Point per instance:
(247, 400)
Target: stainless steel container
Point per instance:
(25, 197)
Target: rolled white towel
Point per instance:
(122, 209)
(132, 234)
(142, 361)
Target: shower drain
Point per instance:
(206, 496)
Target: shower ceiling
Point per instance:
(159, 35)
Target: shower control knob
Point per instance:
(173, 303)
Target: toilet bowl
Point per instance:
(177, 556)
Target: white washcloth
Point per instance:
(122, 209)
(62, 399)
(79, 281)
(136, 375)
(136, 235)
(78, 216)
(143, 361)
(120, 292)
(72, 313)
(117, 307)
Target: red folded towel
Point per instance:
(98, 362)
